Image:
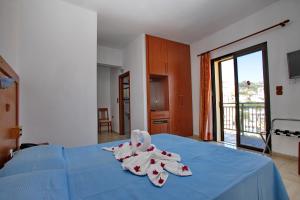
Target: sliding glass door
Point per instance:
(252, 88)
(243, 93)
(227, 100)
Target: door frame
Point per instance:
(259, 47)
(121, 103)
(221, 95)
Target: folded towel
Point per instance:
(141, 158)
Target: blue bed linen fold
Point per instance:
(35, 158)
(218, 173)
(39, 185)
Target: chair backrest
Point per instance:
(103, 114)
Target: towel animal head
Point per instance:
(141, 140)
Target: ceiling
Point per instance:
(120, 21)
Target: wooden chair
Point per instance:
(103, 119)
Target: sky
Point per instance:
(250, 68)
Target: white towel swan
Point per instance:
(141, 158)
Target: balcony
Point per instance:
(252, 122)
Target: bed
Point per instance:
(55, 172)
(89, 173)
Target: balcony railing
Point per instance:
(252, 117)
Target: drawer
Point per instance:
(160, 115)
(159, 126)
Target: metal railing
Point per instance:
(252, 116)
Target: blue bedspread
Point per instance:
(218, 173)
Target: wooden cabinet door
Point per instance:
(180, 89)
(157, 55)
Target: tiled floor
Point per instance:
(109, 137)
(289, 172)
(288, 167)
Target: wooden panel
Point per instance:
(157, 52)
(159, 126)
(156, 59)
(180, 89)
(160, 115)
(8, 114)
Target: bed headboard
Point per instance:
(9, 114)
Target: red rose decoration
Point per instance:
(120, 145)
(138, 144)
(164, 153)
(152, 161)
(113, 148)
(151, 148)
(155, 172)
(137, 168)
(162, 165)
(135, 154)
(185, 168)
(130, 143)
(161, 181)
(169, 154)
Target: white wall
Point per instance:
(134, 57)
(9, 21)
(110, 56)
(103, 88)
(57, 57)
(280, 41)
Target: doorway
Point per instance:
(241, 100)
(108, 100)
(124, 104)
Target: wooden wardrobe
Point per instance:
(169, 87)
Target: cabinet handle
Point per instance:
(160, 122)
